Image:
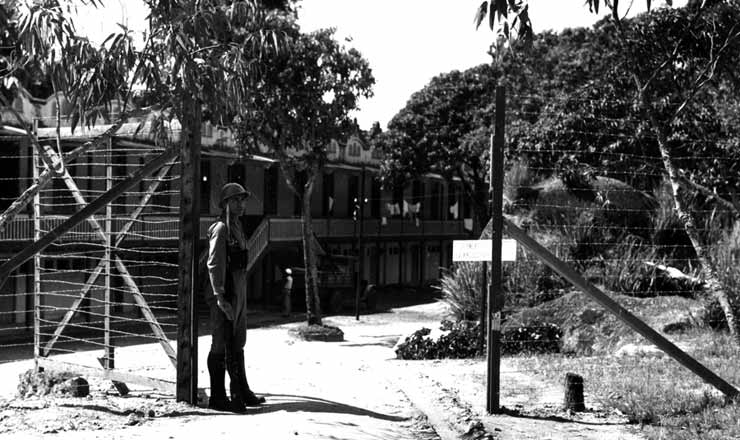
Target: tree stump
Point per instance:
(574, 393)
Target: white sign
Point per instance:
(480, 250)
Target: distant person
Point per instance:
(227, 272)
(286, 289)
(368, 295)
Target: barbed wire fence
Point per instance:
(630, 243)
(109, 282)
(616, 226)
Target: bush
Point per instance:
(543, 338)
(460, 289)
(460, 341)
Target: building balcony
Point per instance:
(157, 228)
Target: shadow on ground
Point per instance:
(275, 403)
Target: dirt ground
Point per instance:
(354, 389)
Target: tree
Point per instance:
(301, 104)
(439, 130)
(673, 58)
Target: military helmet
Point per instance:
(232, 190)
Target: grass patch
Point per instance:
(657, 391)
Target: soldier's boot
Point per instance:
(249, 398)
(238, 400)
(216, 371)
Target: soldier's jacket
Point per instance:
(227, 266)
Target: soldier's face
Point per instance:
(238, 205)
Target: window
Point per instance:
(332, 148)
(453, 203)
(417, 199)
(235, 173)
(375, 198)
(467, 208)
(435, 203)
(354, 149)
(397, 201)
(352, 194)
(300, 182)
(327, 197)
(271, 191)
(10, 165)
(417, 191)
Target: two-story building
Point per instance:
(405, 234)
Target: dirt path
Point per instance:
(350, 390)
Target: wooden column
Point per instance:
(495, 292)
(187, 329)
(109, 354)
(36, 260)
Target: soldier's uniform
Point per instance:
(227, 272)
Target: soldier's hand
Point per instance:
(225, 307)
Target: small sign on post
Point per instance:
(480, 250)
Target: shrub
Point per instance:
(460, 289)
(543, 338)
(460, 341)
(417, 346)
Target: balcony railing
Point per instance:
(163, 227)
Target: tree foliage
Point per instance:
(300, 105)
(570, 105)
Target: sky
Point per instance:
(406, 42)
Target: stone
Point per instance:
(591, 316)
(75, 387)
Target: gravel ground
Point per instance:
(354, 389)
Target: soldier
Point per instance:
(227, 272)
(286, 289)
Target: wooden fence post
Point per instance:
(187, 329)
(495, 292)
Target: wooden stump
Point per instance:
(574, 392)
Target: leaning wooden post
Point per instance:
(495, 292)
(187, 329)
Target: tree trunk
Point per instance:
(725, 299)
(313, 302)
